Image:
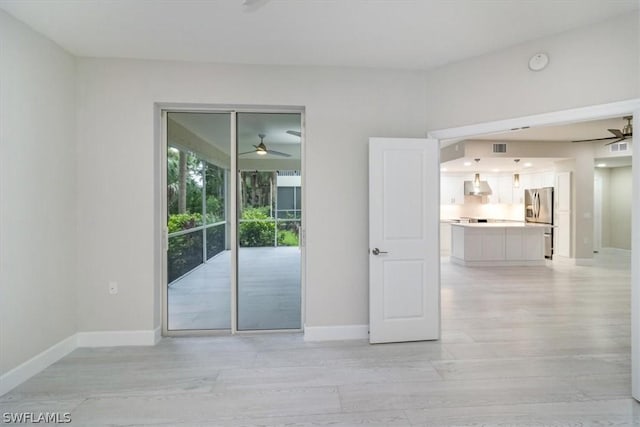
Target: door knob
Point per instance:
(377, 251)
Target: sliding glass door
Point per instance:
(269, 221)
(212, 285)
(199, 247)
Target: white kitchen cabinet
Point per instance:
(481, 244)
(562, 235)
(535, 180)
(496, 244)
(505, 189)
(451, 190)
(495, 192)
(562, 193)
(548, 179)
(525, 183)
(501, 188)
(523, 244)
(562, 208)
(518, 195)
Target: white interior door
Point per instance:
(404, 255)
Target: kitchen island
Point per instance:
(496, 244)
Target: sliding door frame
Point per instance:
(161, 110)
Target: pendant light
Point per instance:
(516, 176)
(476, 178)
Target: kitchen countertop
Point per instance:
(501, 225)
(484, 220)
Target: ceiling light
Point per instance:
(516, 176)
(528, 165)
(495, 170)
(443, 169)
(261, 149)
(467, 163)
(601, 165)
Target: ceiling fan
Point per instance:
(262, 149)
(294, 133)
(619, 135)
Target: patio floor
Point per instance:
(268, 297)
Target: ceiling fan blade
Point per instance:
(613, 142)
(616, 132)
(596, 139)
(246, 152)
(294, 133)
(278, 153)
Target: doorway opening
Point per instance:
(233, 258)
(557, 118)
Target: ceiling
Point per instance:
(558, 133)
(498, 165)
(564, 133)
(408, 34)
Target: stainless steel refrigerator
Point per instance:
(538, 208)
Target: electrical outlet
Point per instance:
(113, 288)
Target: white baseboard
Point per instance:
(336, 333)
(118, 338)
(157, 335)
(583, 261)
(36, 364)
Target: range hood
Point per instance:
(482, 190)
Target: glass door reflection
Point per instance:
(198, 255)
(269, 220)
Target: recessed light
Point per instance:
(601, 165)
(528, 165)
(443, 169)
(467, 163)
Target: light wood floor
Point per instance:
(532, 346)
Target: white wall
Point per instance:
(343, 108)
(119, 192)
(580, 73)
(588, 66)
(620, 207)
(603, 175)
(616, 206)
(117, 176)
(37, 194)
